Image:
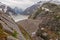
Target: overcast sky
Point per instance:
(20, 3)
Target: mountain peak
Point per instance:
(6, 9)
(39, 2)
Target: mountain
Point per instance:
(33, 8)
(44, 24)
(46, 7)
(49, 14)
(18, 10)
(6, 9)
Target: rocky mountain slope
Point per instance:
(31, 26)
(9, 30)
(49, 28)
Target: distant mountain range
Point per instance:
(18, 10)
(33, 8)
(30, 10)
(7, 9)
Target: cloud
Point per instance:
(19, 3)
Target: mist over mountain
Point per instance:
(33, 8)
(18, 10)
(9, 10)
(6, 9)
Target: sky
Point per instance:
(19, 3)
(23, 4)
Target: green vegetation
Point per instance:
(15, 34)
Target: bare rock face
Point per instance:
(9, 29)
